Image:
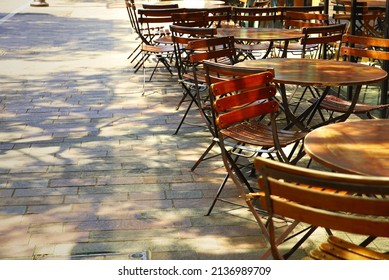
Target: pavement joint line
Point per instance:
(10, 15)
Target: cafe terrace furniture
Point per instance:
(215, 72)
(254, 17)
(186, 3)
(357, 147)
(320, 73)
(355, 48)
(162, 49)
(243, 113)
(334, 201)
(186, 64)
(319, 42)
(298, 20)
(271, 35)
(145, 32)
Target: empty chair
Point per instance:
(244, 110)
(319, 9)
(334, 201)
(299, 20)
(327, 40)
(182, 36)
(319, 42)
(369, 19)
(255, 17)
(143, 33)
(359, 47)
(191, 19)
(160, 46)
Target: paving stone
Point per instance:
(89, 165)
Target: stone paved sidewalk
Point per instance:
(89, 166)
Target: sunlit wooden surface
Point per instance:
(360, 147)
(319, 72)
(187, 3)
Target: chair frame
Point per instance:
(356, 47)
(238, 107)
(182, 36)
(319, 41)
(255, 17)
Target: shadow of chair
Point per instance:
(335, 201)
(243, 111)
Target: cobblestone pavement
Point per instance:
(89, 165)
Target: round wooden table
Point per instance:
(358, 147)
(317, 72)
(188, 3)
(251, 34)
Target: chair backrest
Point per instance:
(191, 19)
(305, 9)
(217, 72)
(243, 98)
(147, 16)
(216, 49)
(364, 47)
(324, 36)
(299, 19)
(131, 13)
(219, 16)
(256, 17)
(149, 19)
(344, 202)
(369, 18)
(181, 37)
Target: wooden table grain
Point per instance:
(357, 147)
(187, 3)
(317, 72)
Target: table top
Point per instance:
(358, 147)
(260, 34)
(318, 72)
(188, 3)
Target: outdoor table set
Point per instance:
(336, 142)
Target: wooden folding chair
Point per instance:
(255, 17)
(182, 36)
(243, 111)
(319, 42)
(299, 20)
(356, 47)
(143, 33)
(160, 46)
(335, 201)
